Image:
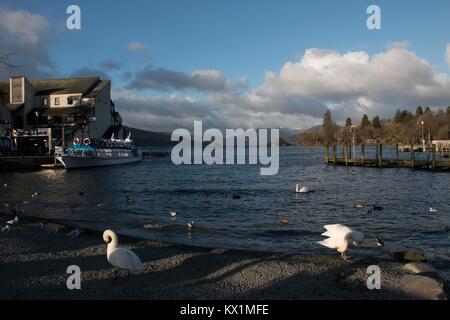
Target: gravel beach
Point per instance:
(34, 262)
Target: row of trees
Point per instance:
(404, 127)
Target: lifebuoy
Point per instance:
(87, 141)
(76, 141)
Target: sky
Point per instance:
(233, 63)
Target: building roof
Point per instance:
(65, 86)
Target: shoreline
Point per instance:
(34, 264)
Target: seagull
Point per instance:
(73, 234)
(380, 242)
(340, 238)
(433, 210)
(130, 199)
(13, 221)
(121, 258)
(284, 220)
(35, 194)
(5, 229)
(303, 189)
(190, 225)
(359, 205)
(173, 214)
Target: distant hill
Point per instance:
(143, 138)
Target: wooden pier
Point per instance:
(341, 155)
(155, 155)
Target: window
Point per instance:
(56, 101)
(44, 102)
(70, 100)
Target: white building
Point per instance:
(62, 108)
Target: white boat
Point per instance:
(99, 153)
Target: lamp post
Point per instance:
(353, 132)
(423, 137)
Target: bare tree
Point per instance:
(4, 57)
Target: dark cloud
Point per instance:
(26, 36)
(90, 72)
(165, 79)
(110, 64)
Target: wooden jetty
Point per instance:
(155, 155)
(28, 162)
(344, 158)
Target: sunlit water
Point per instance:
(204, 194)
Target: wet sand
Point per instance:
(33, 265)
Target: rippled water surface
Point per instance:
(204, 194)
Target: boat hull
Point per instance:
(71, 162)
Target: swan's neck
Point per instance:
(296, 187)
(113, 244)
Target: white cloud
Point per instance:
(138, 47)
(351, 84)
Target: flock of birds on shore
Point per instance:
(339, 237)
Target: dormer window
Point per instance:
(44, 102)
(56, 101)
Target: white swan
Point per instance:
(13, 221)
(121, 258)
(303, 189)
(340, 238)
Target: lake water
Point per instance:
(204, 194)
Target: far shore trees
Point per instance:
(405, 127)
(327, 128)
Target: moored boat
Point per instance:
(99, 152)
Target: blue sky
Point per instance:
(237, 38)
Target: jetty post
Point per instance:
(362, 154)
(433, 156)
(334, 154)
(397, 152)
(346, 154)
(327, 153)
(380, 154)
(412, 156)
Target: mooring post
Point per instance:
(428, 151)
(362, 154)
(346, 154)
(397, 152)
(327, 154)
(334, 153)
(377, 152)
(412, 157)
(380, 154)
(433, 156)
